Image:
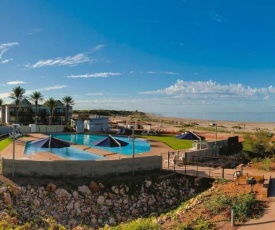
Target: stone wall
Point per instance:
(79, 168)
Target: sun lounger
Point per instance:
(145, 132)
(17, 134)
(118, 132)
(122, 131)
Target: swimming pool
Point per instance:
(69, 153)
(140, 145)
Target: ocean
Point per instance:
(227, 116)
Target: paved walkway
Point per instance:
(267, 221)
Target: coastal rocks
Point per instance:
(7, 198)
(94, 187)
(100, 200)
(51, 187)
(14, 190)
(122, 189)
(3, 189)
(62, 193)
(36, 203)
(84, 190)
(148, 183)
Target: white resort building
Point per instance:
(26, 113)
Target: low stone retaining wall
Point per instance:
(71, 168)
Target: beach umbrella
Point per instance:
(189, 136)
(110, 142)
(50, 142)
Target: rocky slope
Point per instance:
(94, 204)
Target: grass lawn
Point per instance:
(4, 143)
(171, 141)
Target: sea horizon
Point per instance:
(225, 116)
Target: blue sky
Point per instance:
(165, 57)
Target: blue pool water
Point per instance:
(140, 145)
(69, 153)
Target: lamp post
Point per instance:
(216, 134)
(133, 149)
(13, 148)
(216, 125)
(14, 127)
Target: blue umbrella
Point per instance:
(189, 136)
(50, 142)
(110, 142)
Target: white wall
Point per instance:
(79, 168)
(97, 124)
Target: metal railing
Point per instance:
(205, 168)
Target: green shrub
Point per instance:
(139, 224)
(222, 181)
(203, 225)
(236, 127)
(266, 164)
(245, 205)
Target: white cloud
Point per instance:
(4, 47)
(170, 73)
(161, 72)
(15, 82)
(212, 89)
(4, 95)
(98, 47)
(95, 94)
(216, 17)
(66, 61)
(31, 32)
(53, 88)
(49, 88)
(6, 61)
(94, 75)
(188, 98)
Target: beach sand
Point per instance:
(205, 128)
(229, 126)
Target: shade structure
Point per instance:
(50, 142)
(109, 142)
(189, 136)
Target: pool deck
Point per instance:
(156, 149)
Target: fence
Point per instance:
(73, 168)
(200, 169)
(202, 166)
(39, 129)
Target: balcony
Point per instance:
(25, 113)
(58, 114)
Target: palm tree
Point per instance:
(51, 104)
(68, 101)
(18, 95)
(36, 97)
(1, 104)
